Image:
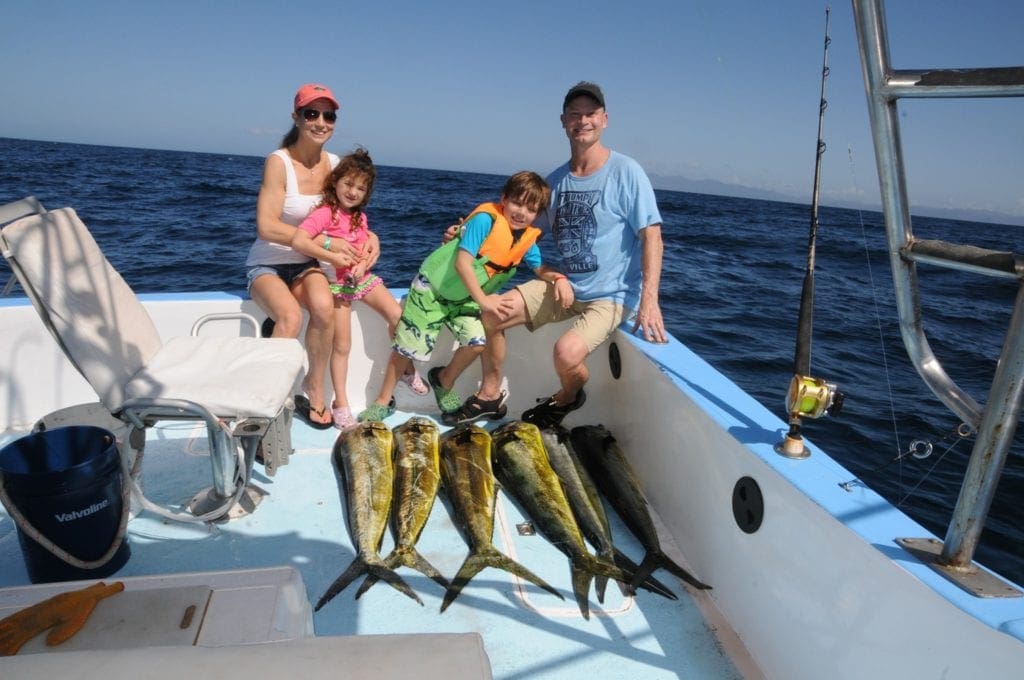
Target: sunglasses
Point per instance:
(312, 114)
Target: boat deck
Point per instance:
(527, 633)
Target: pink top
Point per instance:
(320, 222)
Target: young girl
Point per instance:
(346, 191)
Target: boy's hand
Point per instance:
(492, 304)
(564, 293)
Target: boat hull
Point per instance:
(819, 589)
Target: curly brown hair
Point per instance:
(357, 163)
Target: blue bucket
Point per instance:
(67, 485)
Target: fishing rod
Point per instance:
(809, 397)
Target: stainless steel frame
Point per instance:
(996, 421)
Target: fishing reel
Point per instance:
(809, 397)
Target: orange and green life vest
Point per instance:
(493, 265)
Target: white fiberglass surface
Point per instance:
(528, 633)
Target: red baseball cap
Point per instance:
(311, 92)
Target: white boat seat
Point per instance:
(241, 387)
(241, 377)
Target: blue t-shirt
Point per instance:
(595, 222)
(479, 227)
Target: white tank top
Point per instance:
(296, 208)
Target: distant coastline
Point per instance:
(716, 188)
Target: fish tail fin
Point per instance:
(655, 559)
(357, 567)
(629, 567)
(672, 567)
(644, 571)
(581, 579)
(391, 561)
(477, 561)
(404, 556)
(384, 573)
(606, 553)
(600, 567)
(500, 561)
(420, 564)
(473, 565)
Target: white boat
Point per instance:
(811, 577)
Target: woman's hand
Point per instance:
(370, 251)
(341, 254)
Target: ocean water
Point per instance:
(731, 281)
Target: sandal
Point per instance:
(343, 418)
(304, 410)
(377, 412)
(415, 383)
(447, 400)
(475, 408)
(549, 413)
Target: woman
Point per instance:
(281, 280)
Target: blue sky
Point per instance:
(719, 90)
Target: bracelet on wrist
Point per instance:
(327, 243)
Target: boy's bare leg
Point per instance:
(460, 361)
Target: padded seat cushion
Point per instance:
(234, 377)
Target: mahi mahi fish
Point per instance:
(607, 464)
(588, 509)
(468, 481)
(417, 477)
(521, 465)
(363, 455)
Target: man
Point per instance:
(607, 234)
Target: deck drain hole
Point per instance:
(747, 505)
(614, 360)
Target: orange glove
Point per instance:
(65, 613)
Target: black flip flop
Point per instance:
(302, 410)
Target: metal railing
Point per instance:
(996, 421)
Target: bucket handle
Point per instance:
(22, 523)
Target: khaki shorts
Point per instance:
(595, 321)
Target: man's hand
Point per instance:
(564, 292)
(649, 318)
(452, 231)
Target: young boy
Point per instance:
(456, 284)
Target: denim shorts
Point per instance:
(289, 273)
